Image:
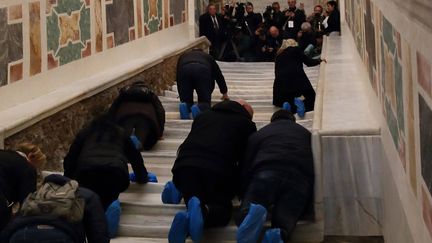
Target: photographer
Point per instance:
(294, 17)
(270, 45)
(212, 26)
(273, 16)
(253, 20)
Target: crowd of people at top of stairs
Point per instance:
(224, 156)
(239, 33)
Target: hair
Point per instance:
(319, 6)
(249, 4)
(274, 3)
(333, 4)
(210, 5)
(287, 43)
(33, 153)
(306, 26)
(282, 114)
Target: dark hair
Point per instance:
(282, 114)
(249, 4)
(333, 4)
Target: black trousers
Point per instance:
(5, 211)
(195, 76)
(142, 128)
(215, 192)
(105, 184)
(288, 194)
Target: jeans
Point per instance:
(40, 234)
(288, 194)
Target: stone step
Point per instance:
(260, 116)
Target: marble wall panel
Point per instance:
(177, 11)
(121, 20)
(11, 44)
(424, 73)
(426, 141)
(427, 210)
(153, 15)
(35, 39)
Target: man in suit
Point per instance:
(211, 25)
(294, 18)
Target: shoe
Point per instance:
(250, 229)
(195, 111)
(170, 194)
(272, 236)
(184, 111)
(286, 106)
(179, 228)
(112, 216)
(300, 107)
(196, 220)
(152, 177)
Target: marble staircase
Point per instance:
(144, 218)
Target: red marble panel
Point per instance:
(15, 12)
(16, 72)
(87, 51)
(35, 39)
(52, 62)
(424, 73)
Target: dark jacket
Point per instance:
(307, 38)
(207, 28)
(283, 145)
(93, 226)
(253, 20)
(217, 139)
(199, 56)
(289, 73)
(299, 18)
(104, 146)
(138, 100)
(17, 176)
(333, 22)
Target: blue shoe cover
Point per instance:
(132, 177)
(136, 142)
(112, 215)
(184, 111)
(286, 106)
(300, 107)
(272, 236)
(196, 221)
(170, 194)
(179, 228)
(250, 229)
(152, 177)
(195, 111)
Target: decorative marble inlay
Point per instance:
(120, 19)
(16, 72)
(424, 73)
(68, 30)
(177, 11)
(427, 211)
(99, 25)
(11, 46)
(426, 141)
(15, 12)
(152, 15)
(35, 39)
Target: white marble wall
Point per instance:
(352, 191)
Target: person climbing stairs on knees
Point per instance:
(276, 172)
(139, 111)
(98, 159)
(197, 70)
(291, 83)
(205, 169)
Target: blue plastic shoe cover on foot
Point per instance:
(300, 107)
(195, 111)
(179, 228)
(170, 194)
(272, 236)
(250, 229)
(286, 106)
(196, 221)
(112, 215)
(184, 111)
(152, 177)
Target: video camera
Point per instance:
(236, 22)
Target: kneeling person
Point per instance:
(206, 165)
(277, 171)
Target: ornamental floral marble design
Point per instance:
(68, 31)
(11, 44)
(152, 15)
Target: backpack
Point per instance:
(51, 199)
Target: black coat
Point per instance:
(104, 145)
(93, 226)
(333, 22)
(283, 145)
(207, 29)
(290, 75)
(17, 176)
(199, 56)
(253, 20)
(217, 139)
(299, 19)
(138, 100)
